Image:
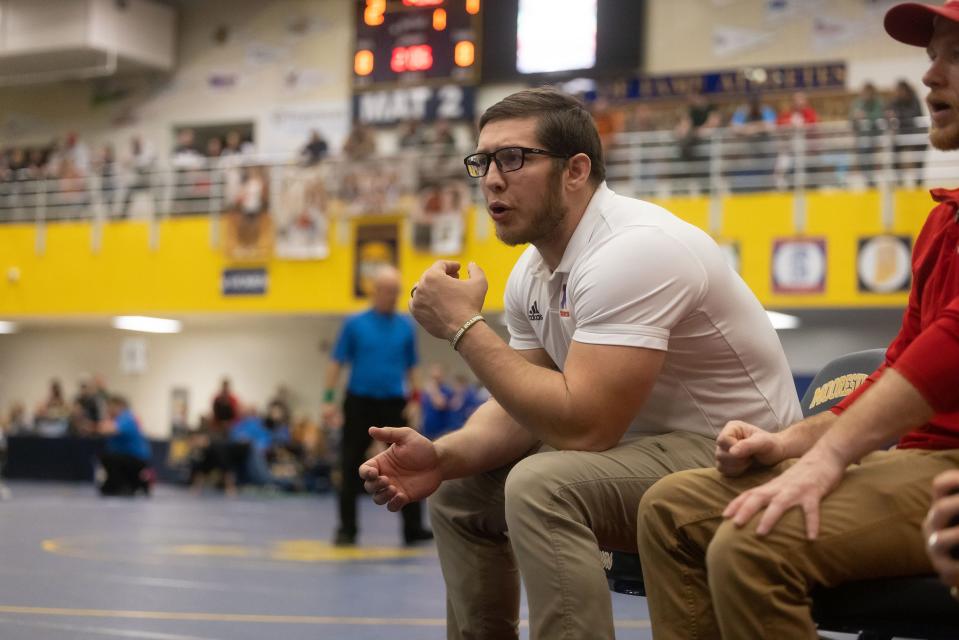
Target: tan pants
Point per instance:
(559, 508)
(707, 579)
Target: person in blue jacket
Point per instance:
(126, 452)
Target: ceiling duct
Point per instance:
(55, 40)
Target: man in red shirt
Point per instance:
(733, 552)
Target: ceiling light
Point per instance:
(147, 324)
(783, 321)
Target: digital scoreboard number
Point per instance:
(400, 42)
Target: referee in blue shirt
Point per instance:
(380, 347)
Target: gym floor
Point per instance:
(179, 567)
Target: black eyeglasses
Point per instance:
(507, 159)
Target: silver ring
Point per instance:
(413, 290)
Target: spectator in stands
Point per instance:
(435, 398)
(609, 121)
(88, 410)
(360, 144)
(106, 169)
(53, 413)
(282, 402)
(17, 421)
(185, 153)
(236, 145)
(441, 138)
(77, 154)
(909, 147)
(750, 160)
(466, 399)
(799, 115)
(315, 150)
(214, 147)
(127, 452)
(17, 163)
(36, 164)
(697, 121)
(753, 120)
(101, 391)
(410, 135)
(251, 442)
(867, 117)
(226, 408)
(139, 167)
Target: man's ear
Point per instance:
(578, 169)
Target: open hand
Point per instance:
(407, 471)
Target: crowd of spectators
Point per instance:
(234, 444)
(237, 443)
(216, 170)
(446, 403)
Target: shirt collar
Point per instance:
(950, 196)
(580, 238)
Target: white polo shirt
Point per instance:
(635, 275)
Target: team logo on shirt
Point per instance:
(534, 313)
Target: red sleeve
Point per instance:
(843, 404)
(931, 362)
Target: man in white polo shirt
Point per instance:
(631, 344)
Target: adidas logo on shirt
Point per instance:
(534, 313)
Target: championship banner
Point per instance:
(248, 233)
(799, 265)
(883, 264)
(376, 246)
(301, 215)
(439, 220)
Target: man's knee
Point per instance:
(534, 482)
(739, 561)
(656, 507)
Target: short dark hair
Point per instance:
(563, 125)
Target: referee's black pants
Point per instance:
(359, 414)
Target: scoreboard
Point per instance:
(415, 42)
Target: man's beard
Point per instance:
(545, 220)
(945, 139)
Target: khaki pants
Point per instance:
(707, 579)
(559, 508)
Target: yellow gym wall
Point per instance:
(182, 275)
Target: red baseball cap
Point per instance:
(912, 22)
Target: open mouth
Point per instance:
(938, 108)
(498, 210)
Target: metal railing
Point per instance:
(830, 155)
(833, 155)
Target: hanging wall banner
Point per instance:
(799, 265)
(248, 232)
(883, 264)
(301, 215)
(377, 245)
